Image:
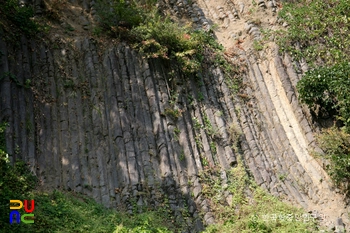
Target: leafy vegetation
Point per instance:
(176, 133)
(320, 28)
(14, 79)
(249, 208)
(336, 144)
(235, 134)
(328, 88)
(257, 45)
(157, 36)
(70, 212)
(173, 113)
(319, 33)
(16, 20)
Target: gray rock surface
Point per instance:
(101, 122)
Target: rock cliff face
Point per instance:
(126, 131)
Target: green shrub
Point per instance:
(17, 20)
(72, 212)
(155, 35)
(15, 181)
(321, 27)
(336, 145)
(118, 16)
(328, 87)
(257, 45)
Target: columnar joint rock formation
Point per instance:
(105, 125)
(134, 132)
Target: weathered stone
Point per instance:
(107, 131)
